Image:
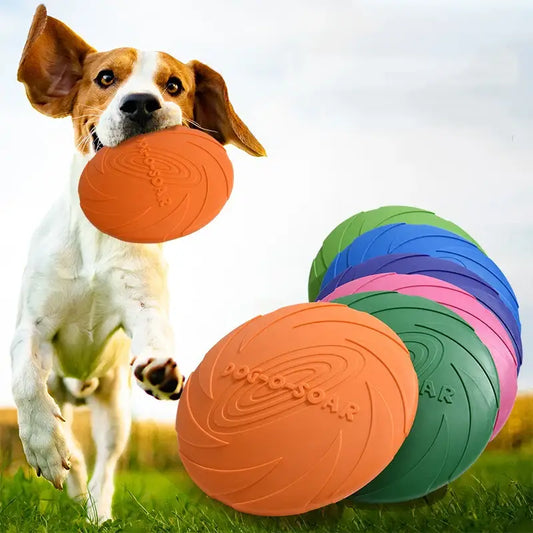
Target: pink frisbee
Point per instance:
(486, 325)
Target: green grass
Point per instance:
(495, 495)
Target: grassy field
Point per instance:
(155, 494)
(495, 495)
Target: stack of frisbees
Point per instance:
(457, 314)
(383, 388)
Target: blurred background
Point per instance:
(365, 104)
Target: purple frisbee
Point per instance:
(487, 327)
(440, 269)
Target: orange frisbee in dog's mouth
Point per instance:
(157, 186)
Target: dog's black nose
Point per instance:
(139, 107)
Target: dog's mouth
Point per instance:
(97, 143)
(125, 134)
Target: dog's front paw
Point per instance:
(43, 440)
(160, 378)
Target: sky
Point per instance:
(359, 104)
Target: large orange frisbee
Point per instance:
(157, 186)
(297, 409)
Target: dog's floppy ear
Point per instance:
(52, 64)
(213, 111)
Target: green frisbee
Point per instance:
(458, 396)
(343, 235)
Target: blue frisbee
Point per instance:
(427, 240)
(440, 269)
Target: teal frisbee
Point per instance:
(458, 396)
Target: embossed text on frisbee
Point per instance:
(312, 395)
(160, 189)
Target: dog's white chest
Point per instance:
(90, 317)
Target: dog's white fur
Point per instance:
(84, 296)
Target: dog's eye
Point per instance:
(174, 86)
(105, 78)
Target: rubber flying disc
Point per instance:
(487, 327)
(440, 269)
(296, 409)
(458, 396)
(353, 227)
(429, 240)
(156, 187)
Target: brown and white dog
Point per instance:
(92, 305)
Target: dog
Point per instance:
(93, 308)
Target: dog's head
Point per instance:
(117, 94)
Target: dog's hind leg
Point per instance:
(111, 422)
(77, 477)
